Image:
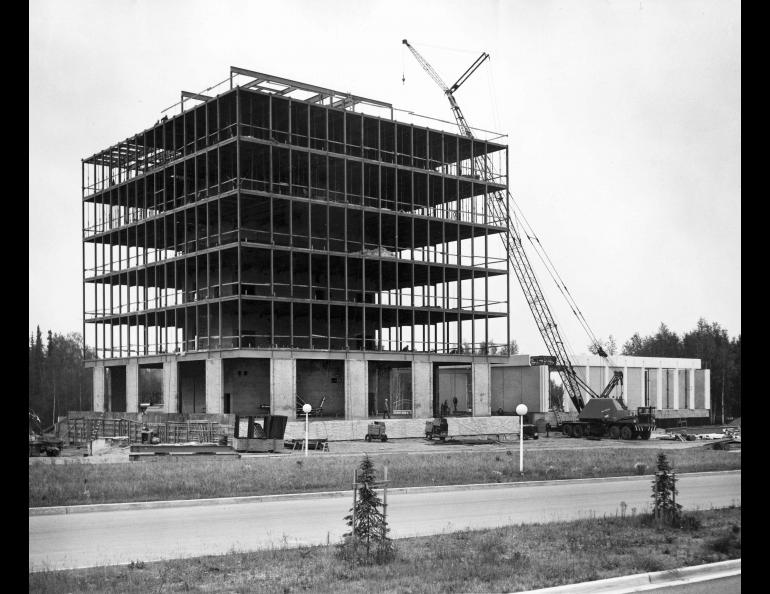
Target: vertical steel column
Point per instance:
(239, 248)
(83, 246)
(507, 260)
(411, 238)
(380, 289)
(346, 260)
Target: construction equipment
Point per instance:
(314, 412)
(376, 430)
(609, 417)
(41, 442)
(437, 428)
(449, 91)
(498, 202)
(530, 431)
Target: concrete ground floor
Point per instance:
(363, 385)
(337, 385)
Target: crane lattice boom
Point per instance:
(498, 207)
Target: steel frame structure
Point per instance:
(259, 219)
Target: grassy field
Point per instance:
(509, 559)
(186, 478)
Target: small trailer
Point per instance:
(376, 430)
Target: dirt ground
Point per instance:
(411, 446)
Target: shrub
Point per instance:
(721, 544)
(689, 522)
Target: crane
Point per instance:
(449, 91)
(517, 256)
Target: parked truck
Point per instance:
(609, 417)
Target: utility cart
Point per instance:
(438, 428)
(376, 430)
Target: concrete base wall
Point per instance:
(401, 428)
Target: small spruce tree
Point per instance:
(664, 493)
(368, 539)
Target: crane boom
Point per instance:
(537, 304)
(497, 203)
(449, 91)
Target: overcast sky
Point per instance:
(623, 124)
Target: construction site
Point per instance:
(286, 253)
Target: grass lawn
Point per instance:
(203, 477)
(509, 559)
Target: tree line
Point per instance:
(58, 382)
(708, 342)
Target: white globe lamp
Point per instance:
(521, 410)
(306, 408)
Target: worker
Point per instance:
(454, 401)
(386, 410)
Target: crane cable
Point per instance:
(403, 66)
(553, 272)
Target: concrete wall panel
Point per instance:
(247, 386)
(482, 404)
(191, 377)
(422, 389)
(632, 388)
(512, 386)
(700, 393)
(98, 389)
(356, 389)
(214, 385)
(170, 386)
(282, 382)
(132, 386)
(323, 380)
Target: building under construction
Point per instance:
(281, 243)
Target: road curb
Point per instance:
(649, 581)
(103, 507)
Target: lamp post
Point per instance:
(306, 408)
(521, 410)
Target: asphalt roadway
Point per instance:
(87, 539)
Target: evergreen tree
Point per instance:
(664, 493)
(368, 539)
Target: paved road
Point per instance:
(115, 537)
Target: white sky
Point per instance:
(623, 120)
